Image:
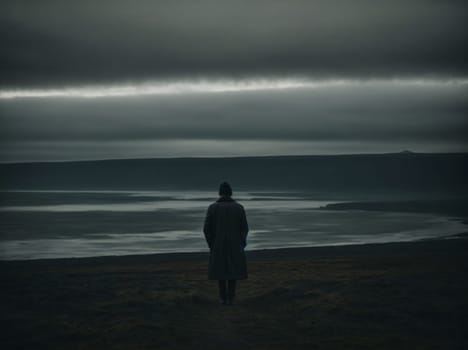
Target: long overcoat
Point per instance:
(226, 232)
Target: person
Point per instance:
(226, 230)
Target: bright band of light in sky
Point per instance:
(212, 86)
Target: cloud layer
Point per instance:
(68, 42)
(374, 116)
(118, 78)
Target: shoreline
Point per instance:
(327, 250)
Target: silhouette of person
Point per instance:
(226, 232)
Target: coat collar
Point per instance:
(225, 199)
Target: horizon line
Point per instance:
(403, 153)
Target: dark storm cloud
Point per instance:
(71, 42)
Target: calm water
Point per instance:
(56, 224)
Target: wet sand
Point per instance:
(385, 296)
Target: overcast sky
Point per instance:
(124, 79)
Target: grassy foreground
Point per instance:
(387, 296)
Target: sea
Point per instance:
(65, 224)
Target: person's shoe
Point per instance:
(223, 301)
(230, 301)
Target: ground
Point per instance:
(388, 296)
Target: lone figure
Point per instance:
(226, 232)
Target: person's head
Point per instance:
(225, 190)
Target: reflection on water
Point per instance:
(55, 224)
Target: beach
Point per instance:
(408, 295)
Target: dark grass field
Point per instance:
(388, 296)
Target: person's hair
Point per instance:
(225, 189)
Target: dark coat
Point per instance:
(226, 231)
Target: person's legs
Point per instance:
(231, 291)
(222, 290)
